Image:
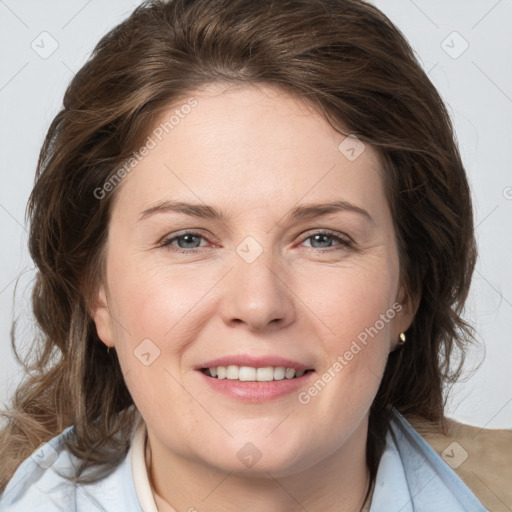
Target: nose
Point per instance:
(256, 294)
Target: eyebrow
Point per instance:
(305, 211)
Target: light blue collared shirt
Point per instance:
(411, 477)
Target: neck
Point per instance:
(338, 483)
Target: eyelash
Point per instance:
(345, 243)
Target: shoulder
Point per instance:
(47, 480)
(481, 457)
(412, 476)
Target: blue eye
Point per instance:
(187, 242)
(190, 241)
(322, 236)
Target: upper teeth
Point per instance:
(248, 373)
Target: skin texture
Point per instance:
(255, 153)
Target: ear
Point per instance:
(403, 320)
(101, 316)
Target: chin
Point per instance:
(259, 458)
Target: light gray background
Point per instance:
(475, 83)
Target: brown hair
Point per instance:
(346, 59)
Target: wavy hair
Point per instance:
(345, 58)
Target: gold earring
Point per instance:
(401, 340)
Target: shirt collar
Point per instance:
(412, 476)
(139, 469)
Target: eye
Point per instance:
(324, 240)
(190, 241)
(187, 242)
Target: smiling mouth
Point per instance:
(251, 374)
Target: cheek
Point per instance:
(154, 301)
(346, 384)
(355, 313)
(348, 301)
(156, 316)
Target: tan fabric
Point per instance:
(481, 457)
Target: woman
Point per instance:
(254, 237)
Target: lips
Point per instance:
(255, 379)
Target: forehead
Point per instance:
(253, 147)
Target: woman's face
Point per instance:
(254, 279)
